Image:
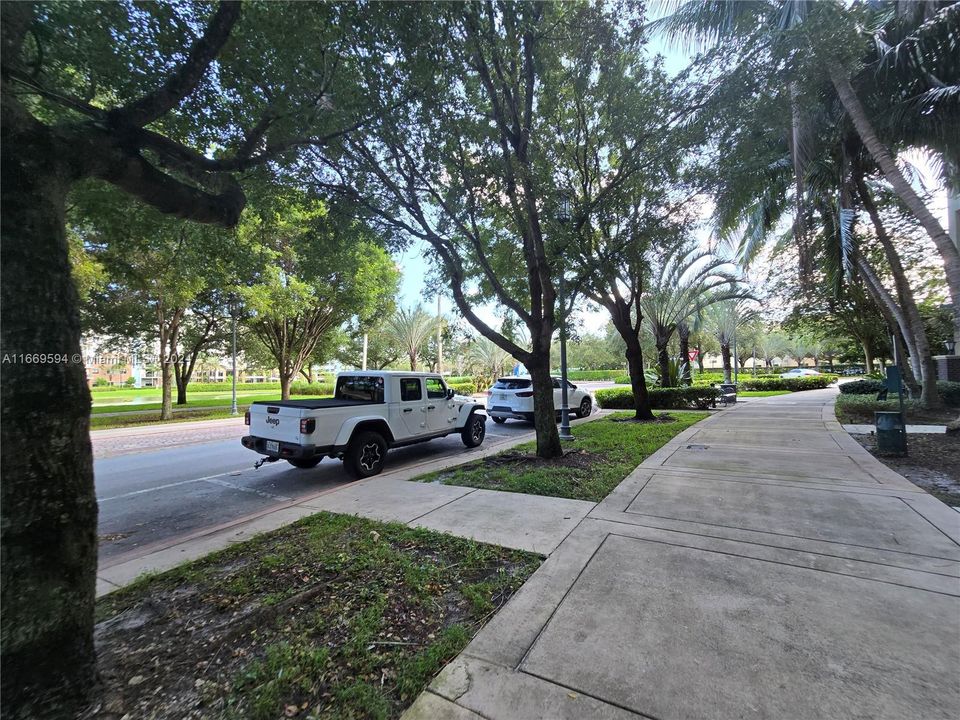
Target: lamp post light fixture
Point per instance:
(563, 216)
(951, 345)
(234, 312)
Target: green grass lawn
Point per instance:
(198, 400)
(331, 617)
(100, 422)
(604, 453)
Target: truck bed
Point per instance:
(314, 403)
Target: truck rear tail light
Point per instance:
(246, 418)
(307, 425)
(526, 393)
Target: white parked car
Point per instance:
(371, 412)
(512, 397)
(799, 372)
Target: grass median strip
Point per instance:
(333, 616)
(604, 453)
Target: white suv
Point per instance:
(512, 397)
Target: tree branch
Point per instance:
(185, 78)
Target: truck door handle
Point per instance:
(408, 410)
(431, 407)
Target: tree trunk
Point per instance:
(49, 510)
(700, 359)
(182, 390)
(545, 413)
(638, 383)
(166, 383)
(413, 361)
(894, 316)
(683, 335)
(663, 360)
(921, 358)
(948, 251)
(868, 358)
(725, 354)
(285, 378)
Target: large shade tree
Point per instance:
(165, 101)
(461, 164)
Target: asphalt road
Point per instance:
(157, 495)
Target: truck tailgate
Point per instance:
(276, 422)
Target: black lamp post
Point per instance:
(951, 345)
(563, 216)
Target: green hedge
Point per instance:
(949, 391)
(814, 382)
(317, 388)
(660, 398)
(587, 375)
(463, 388)
(862, 387)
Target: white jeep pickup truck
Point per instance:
(371, 412)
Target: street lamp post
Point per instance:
(563, 216)
(234, 311)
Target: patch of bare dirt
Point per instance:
(662, 419)
(932, 463)
(579, 459)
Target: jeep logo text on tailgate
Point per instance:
(273, 421)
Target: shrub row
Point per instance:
(586, 375)
(814, 382)
(305, 388)
(949, 391)
(660, 398)
(468, 387)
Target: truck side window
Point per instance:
(410, 389)
(365, 388)
(435, 389)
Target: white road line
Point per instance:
(208, 478)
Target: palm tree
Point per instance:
(723, 319)
(486, 360)
(682, 285)
(835, 170)
(916, 76)
(411, 329)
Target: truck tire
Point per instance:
(365, 455)
(305, 463)
(474, 431)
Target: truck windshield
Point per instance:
(360, 387)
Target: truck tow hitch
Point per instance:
(265, 459)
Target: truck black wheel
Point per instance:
(586, 407)
(498, 420)
(305, 463)
(365, 455)
(474, 431)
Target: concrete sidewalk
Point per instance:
(760, 565)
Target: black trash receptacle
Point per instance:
(728, 393)
(891, 433)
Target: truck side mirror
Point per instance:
(450, 393)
